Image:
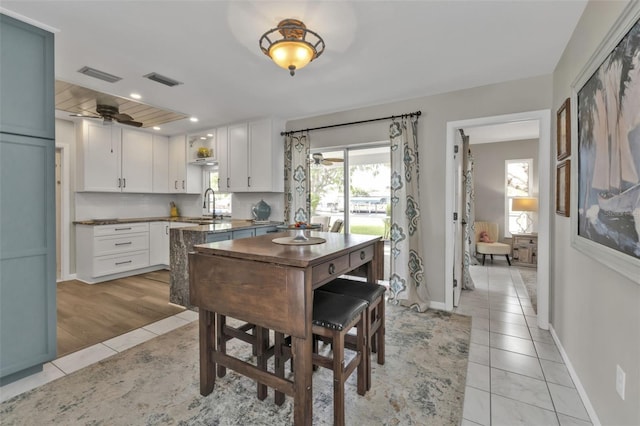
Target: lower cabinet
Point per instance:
(106, 252)
(159, 243)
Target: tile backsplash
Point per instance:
(100, 205)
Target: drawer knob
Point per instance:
(362, 255)
(332, 269)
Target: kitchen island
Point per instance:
(182, 241)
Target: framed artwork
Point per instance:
(564, 130)
(563, 188)
(607, 144)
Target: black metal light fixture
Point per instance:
(296, 47)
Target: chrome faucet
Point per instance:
(213, 194)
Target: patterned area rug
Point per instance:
(530, 280)
(157, 383)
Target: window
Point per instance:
(223, 200)
(517, 184)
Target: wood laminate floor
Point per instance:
(92, 313)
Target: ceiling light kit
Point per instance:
(295, 49)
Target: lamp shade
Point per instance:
(524, 204)
(291, 54)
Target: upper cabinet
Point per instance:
(27, 86)
(183, 177)
(160, 164)
(254, 160)
(112, 159)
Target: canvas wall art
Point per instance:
(609, 149)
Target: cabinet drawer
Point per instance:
(122, 228)
(105, 265)
(360, 257)
(120, 243)
(330, 269)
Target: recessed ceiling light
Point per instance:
(209, 135)
(203, 138)
(156, 128)
(194, 119)
(135, 96)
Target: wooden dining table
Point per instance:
(271, 285)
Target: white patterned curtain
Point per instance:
(297, 200)
(469, 216)
(407, 282)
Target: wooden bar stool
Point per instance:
(259, 342)
(333, 316)
(373, 294)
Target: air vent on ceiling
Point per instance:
(92, 72)
(162, 79)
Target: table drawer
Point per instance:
(120, 243)
(122, 228)
(330, 269)
(105, 265)
(360, 257)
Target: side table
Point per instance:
(525, 249)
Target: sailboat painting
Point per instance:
(609, 149)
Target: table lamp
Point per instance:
(524, 205)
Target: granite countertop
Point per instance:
(201, 224)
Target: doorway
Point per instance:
(62, 211)
(543, 117)
(353, 185)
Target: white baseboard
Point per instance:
(438, 305)
(576, 380)
(67, 278)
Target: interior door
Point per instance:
(457, 219)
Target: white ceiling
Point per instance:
(377, 51)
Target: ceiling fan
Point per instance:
(108, 113)
(318, 159)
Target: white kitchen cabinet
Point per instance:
(160, 164)
(106, 252)
(254, 157)
(159, 243)
(112, 159)
(137, 161)
(99, 159)
(183, 177)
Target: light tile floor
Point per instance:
(516, 375)
(68, 364)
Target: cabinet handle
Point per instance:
(122, 263)
(182, 184)
(166, 229)
(119, 183)
(227, 182)
(175, 184)
(124, 182)
(249, 181)
(332, 269)
(124, 244)
(362, 255)
(123, 229)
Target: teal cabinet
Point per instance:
(27, 82)
(27, 199)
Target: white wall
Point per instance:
(595, 311)
(489, 159)
(504, 98)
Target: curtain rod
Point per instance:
(391, 117)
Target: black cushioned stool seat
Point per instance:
(373, 294)
(333, 316)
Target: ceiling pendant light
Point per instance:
(295, 49)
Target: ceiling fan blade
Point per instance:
(335, 160)
(326, 162)
(130, 123)
(122, 117)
